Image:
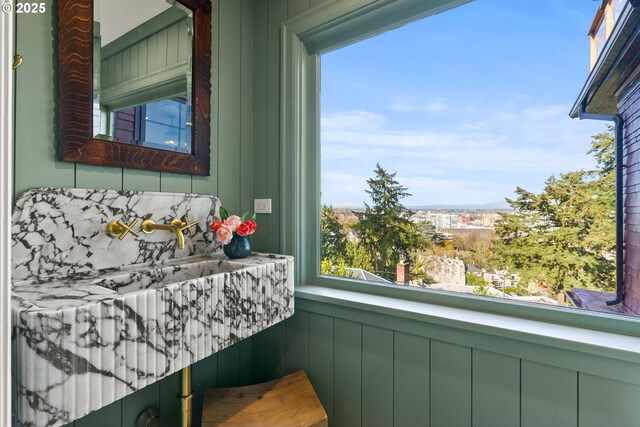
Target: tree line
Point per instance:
(560, 238)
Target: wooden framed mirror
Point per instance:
(82, 140)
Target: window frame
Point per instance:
(303, 39)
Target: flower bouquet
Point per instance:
(233, 232)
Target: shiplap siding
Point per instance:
(155, 58)
(367, 375)
(170, 46)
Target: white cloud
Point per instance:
(474, 162)
(476, 126)
(439, 191)
(434, 106)
(353, 120)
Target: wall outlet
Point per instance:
(262, 206)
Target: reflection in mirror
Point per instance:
(142, 73)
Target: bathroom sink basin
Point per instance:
(158, 277)
(101, 335)
(101, 308)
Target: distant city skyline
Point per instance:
(464, 106)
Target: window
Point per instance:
(462, 171)
(306, 42)
(162, 124)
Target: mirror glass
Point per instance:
(142, 73)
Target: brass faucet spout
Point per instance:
(149, 226)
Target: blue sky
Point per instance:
(464, 106)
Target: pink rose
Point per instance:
(224, 234)
(233, 222)
(243, 230)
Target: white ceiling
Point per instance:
(117, 17)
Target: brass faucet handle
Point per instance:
(120, 230)
(186, 225)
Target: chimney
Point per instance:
(561, 298)
(402, 273)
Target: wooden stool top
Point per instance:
(286, 402)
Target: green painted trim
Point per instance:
(337, 24)
(617, 364)
(619, 324)
(321, 29)
(144, 30)
(166, 83)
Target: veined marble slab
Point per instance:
(63, 231)
(86, 337)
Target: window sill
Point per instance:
(587, 341)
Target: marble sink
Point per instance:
(85, 337)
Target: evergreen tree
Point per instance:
(332, 238)
(565, 236)
(384, 230)
(428, 233)
(359, 257)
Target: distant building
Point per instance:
(442, 221)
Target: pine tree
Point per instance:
(384, 229)
(332, 238)
(565, 236)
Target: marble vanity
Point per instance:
(96, 318)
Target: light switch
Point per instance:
(262, 206)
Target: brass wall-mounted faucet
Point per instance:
(176, 226)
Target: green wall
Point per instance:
(231, 168)
(232, 115)
(368, 369)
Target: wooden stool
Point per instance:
(285, 402)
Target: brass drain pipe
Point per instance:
(186, 397)
(151, 416)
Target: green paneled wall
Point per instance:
(368, 370)
(168, 47)
(231, 169)
(367, 375)
(231, 122)
(128, 75)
